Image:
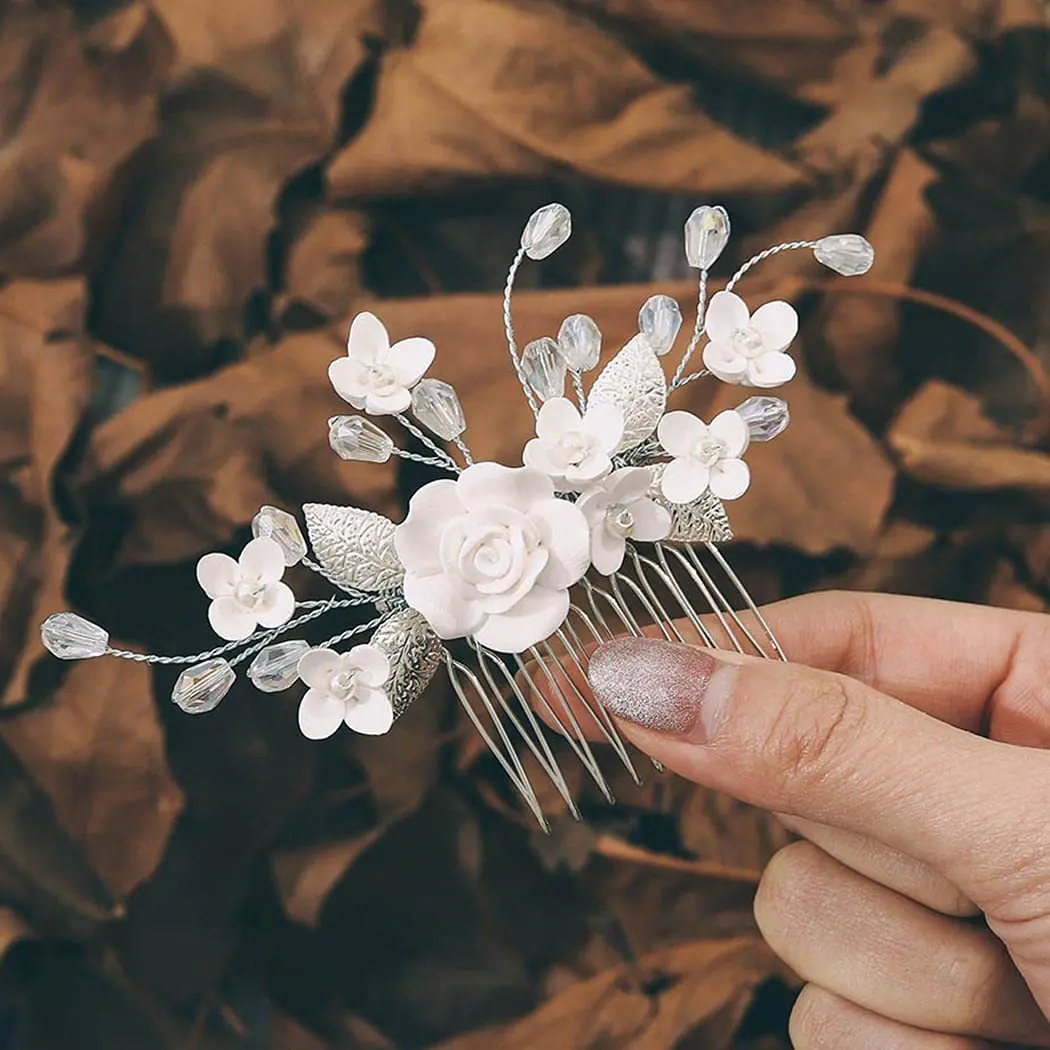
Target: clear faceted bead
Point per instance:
(201, 687)
(354, 437)
(766, 417)
(71, 637)
(546, 231)
(580, 342)
(706, 234)
(437, 407)
(277, 666)
(281, 527)
(659, 320)
(846, 253)
(544, 368)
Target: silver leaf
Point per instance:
(414, 651)
(355, 547)
(634, 382)
(702, 521)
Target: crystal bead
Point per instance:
(283, 529)
(766, 417)
(71, 637)
(437, 407)
(706, 234)
(354, 437)
(544, 368)
(201, 687)
(659, 320)
(846, 253)
(277, 666)
(546, 231)
(580, 342)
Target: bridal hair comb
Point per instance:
(614, 522)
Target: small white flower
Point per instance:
(748, 349)
(619, 509)
(374, 375)
(574, 451)
(705, 457)
(345, 687)
(246, 593)
(492, 555)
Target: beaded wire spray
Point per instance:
(530, 566)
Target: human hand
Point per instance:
(905, 746)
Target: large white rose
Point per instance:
(492, 555)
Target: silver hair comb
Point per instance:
(612, 525)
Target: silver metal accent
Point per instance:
(414, 651)
(355, 547)
(634, 382)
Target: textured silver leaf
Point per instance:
(702, 521)
(633, 381)
(414, 651)
(355, 547)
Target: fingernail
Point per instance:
(663, 686)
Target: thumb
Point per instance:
(829, 748)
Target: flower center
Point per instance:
(343, 685)
(708, 451)
(575, 447)
(748, 342)
(381, 379)
(249, 594)
(619, 521)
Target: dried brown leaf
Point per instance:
(196, 462)
(941, 437)
(72, 113)
(256, 100)
(701, 991)
(98, 751)
(492, 87)
(862, 332)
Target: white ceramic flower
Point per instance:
(246, 593)
(705, 457)
(574, 450)
(748, 349)
(345, 687)
(619, 509)
(492, 555)
(374, 375)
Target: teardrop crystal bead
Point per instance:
(283, 529)
(544, 368)
(357, 438)
(437, 407)
(659, 320)
(277, 666)
(546, 231)
(846, 253)
(71, 637)
(706, 234)
(766, 417)
(201, 687)
(580, 342)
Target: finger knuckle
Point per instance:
(812, 732)
(785, 899)
(816, 1020)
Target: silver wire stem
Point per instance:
(508, 325)
(698, 331)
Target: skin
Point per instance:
(905, 744)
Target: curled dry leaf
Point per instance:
(494, 87)
(98, 750)
(942, 437)
(702, 991)
(255, 99)
(196, 462)
(71, 116)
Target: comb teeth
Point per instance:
(675, 591)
